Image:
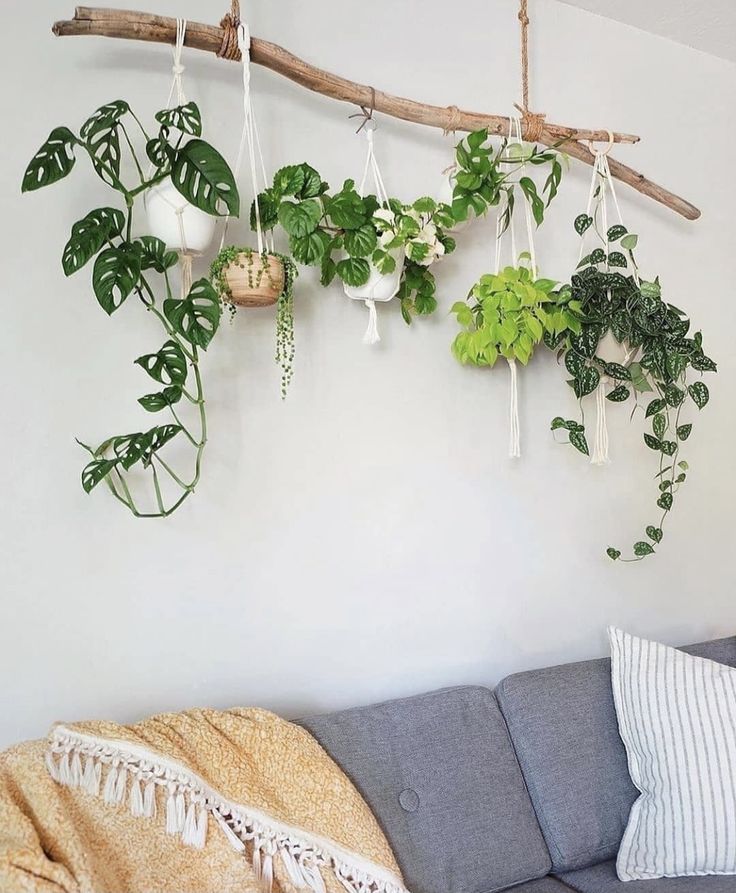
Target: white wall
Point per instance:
(368, 538)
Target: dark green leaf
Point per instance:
(204, 178)
(665, 501)
(310, 249)
(578, 440)
(699, 393)
(154, 255)
(268, 210)
(619, 394)
(617, 371)
(161, 400)
(185, 118)
(52, 162)
(582, 222)
(617, 259)
(574, 362)
(89, 235)
(586, 381)
(613, 554)
(669, 447)
(654, 443)
(130, 448)
(94, 472)
(329, 270)
(586, 343)
(168, 366)
(300, 218)
(346, 210)
(354, 271)
(655, 406)
(674, 395)
(159, 437)
(530, 191)
(115, 275)
(615, 232)
(683, 431)
(362, 241)
(659, 424)
(655, 533)
(197, 316)
(641, 549)
(702, 363)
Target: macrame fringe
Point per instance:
(133, 776)
(514, 429)
(600, 455)
(371, 333)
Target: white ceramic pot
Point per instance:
(380, 286)
(164, 206)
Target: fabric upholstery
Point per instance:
(440, 774)
(676, 716)
(543, 885)
(602, 879)
(563, 725)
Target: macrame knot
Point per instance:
(454, 120)
(533, 124)
(178, 69)
(523, 18)
(229, 48)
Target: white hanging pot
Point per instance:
(610, 350)
(177, 222)
(380, 286)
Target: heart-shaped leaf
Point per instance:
(616, 371)
(655, 406)
(582, 223)
(115, 275)
(362, 241)
(665, 501)
(53, 161)
(197, 316)
(641, 549)
(354, 271)
(310, 249)
(161, 400)
(619, 394)
(613, 554)
(699, 393)
(300, 218)
(617, 259)
(654, 443)
(586, 381)
(655, 533)
(95, 471)
(702, 363)
(579, 441)
(89, 235)
(683, 431)
(615, 232)
(204, 178)
(347, 209)
(586, 343)
(185, 118)
(659, 423)
(168, 366)
(154, 255)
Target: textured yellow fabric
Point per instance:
(59, 838)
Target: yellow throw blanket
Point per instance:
(201, 801)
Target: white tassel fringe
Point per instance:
(371, 333)
(514, 435)
(600, 455)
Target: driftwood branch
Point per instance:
(130, 25)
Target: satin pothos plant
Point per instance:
(126, 266)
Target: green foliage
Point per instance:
(610, 298)
(122, 267)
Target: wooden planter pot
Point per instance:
(254, 280)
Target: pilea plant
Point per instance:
(659, 354)
(125, 265)
(284, 304)
(508, 314)
(342, 232)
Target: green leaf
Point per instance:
(105, 118)
(362, 241)
(615, 232)
(185, 118)
(586, 343)
(168, 365)
(699, 393)
(310, 249)
(129, 448)
(52, 162)
(669, 447)
(530, 191)
(289, 180)
(659, 424)
(616, 371)
(346, 210)
(702, 363)
(425, 205)
(115, 275)
(655, 406)
(268, 210)
(161, 400)
(582, 222)
(638, 378)
(89, 235)
(95, 471)
(629, 241)
(154, 255)
(204, 178)
(617, 259)
(683, 465)
(654, 443)
(641, 549)
(300, 218)
(159, 437)
(674, 395)
(329, 270)
(665, 501)
(574, 362)
(655, 533)
(354, 271)
(476, 139)
(578, 440)
(586, 381)
(197, 316)
(683, 431)
(312, 185)
(619, 394)
(100, 132)
(613, 554)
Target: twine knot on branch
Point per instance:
(532, 124)
(229, 23)
(453, 121)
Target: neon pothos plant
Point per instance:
(125, 265)
(344, 232)
(612, 298)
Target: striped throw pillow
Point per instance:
(677, 718)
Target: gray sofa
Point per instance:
(525, 788)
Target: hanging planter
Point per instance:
(180, 225)
(245, 278)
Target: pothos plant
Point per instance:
(661, 355)
(344, 232)
(126, 265)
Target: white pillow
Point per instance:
(677, 718)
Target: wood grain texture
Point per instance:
(131, 25)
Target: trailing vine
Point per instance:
(659, 355)
(124, 265)
(284, 305)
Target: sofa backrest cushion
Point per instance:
(439, 772)
(563, 724)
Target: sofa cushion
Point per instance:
(602, 879)
(543, 885)
(563, 725)
(439, 772)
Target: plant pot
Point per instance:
(179, 224)
(254, 280)
(380, 286)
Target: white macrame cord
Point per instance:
(136, 777)
(514, 427)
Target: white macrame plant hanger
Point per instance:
(380, 286)
(250, 140)
(515, 133)
(601, 185)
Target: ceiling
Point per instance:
(707, 25)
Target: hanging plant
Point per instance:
(243, 277)
(346, 234)
(614, 301)
(125, 265)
